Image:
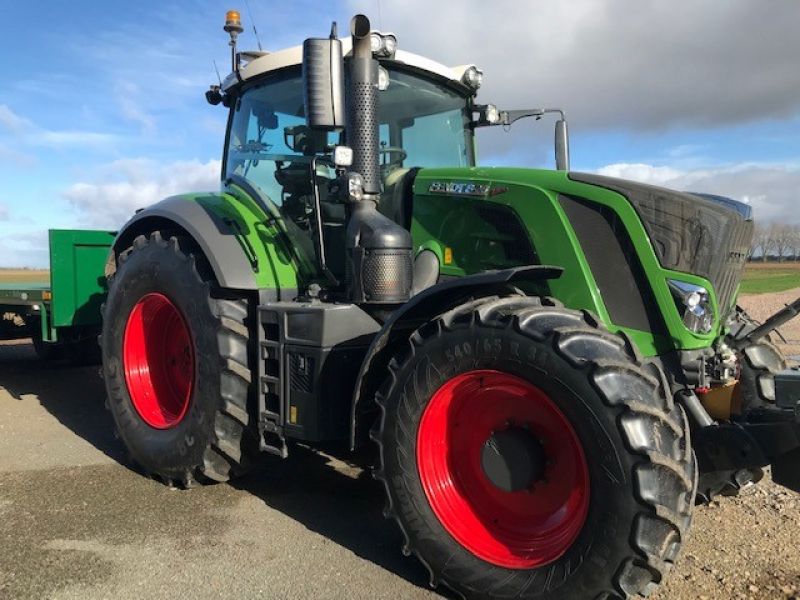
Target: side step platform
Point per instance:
(309, 357)
(270, 397)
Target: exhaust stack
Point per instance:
(362, 107)
(379, 251)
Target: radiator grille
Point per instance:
(699, 234)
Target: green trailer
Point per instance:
(62, 316)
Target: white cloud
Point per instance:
(641, 172)
(127, 185)
(24, 250)
(24, 131)
(12, 121)
(130, 103)
(611, 63)
(10, 154)
(773, 190)
(4, 214)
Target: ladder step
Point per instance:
(272, 426)
(282, 452)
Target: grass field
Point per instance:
(23, 276)
(770, 277)
(759, 278)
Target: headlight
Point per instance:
(492, 115)
(383, 78)
(375, 42)
(473, 77)
(390, 43)
(694, 305)
(383, 44)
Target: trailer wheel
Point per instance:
(46, 351)
(528, 453)
(176, 361)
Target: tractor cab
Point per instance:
(425, 120)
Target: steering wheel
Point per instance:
(395, 157)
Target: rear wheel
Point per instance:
(527, 452)
(176, 361)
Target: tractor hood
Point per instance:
(702, 234)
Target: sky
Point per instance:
(102, 110)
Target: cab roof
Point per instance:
(255, 63)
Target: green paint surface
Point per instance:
(277, 263)
(447, 224)
(77, 279)
(442, 221)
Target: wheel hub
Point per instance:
(513, 459)
(478, 469)
(158, 359)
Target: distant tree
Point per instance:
(794, 244)
(782, 238)
(762, 241)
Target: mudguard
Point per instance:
(214, 233)
(244, 245)
(421, 308)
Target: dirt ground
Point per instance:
(24, 276)
(745, 547)
(761, 306)
(78, 522)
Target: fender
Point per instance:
(431, 302)
(211, 231)
(238, 240)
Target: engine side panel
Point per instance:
(444, 199)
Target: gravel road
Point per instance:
(762, 306)
(76, 522)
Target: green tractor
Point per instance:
(551, 364)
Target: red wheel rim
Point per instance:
(158, 359)
(520, 529)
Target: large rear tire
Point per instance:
(594, 489)
(177, 365)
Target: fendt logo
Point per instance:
(465, 188)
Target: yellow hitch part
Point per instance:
(723, 400)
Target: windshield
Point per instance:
(422, 124)
(428, 120)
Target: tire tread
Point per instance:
(665, 473)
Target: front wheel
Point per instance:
(527, 452)
(177, 364)
(758, 362)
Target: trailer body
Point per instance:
(65, 310)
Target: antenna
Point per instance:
(255, 31)
(217, 70)
(380, 16)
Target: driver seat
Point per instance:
(397, 200)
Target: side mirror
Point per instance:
(323, 83)
(562, 145)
